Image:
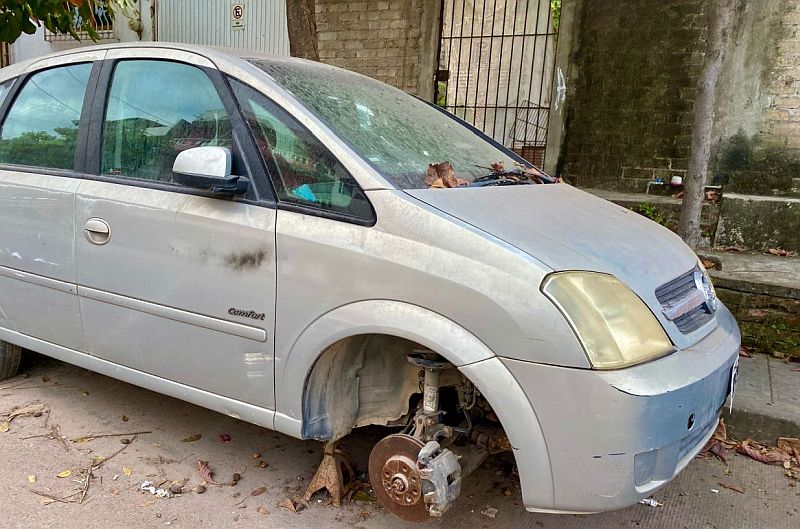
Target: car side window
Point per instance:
(155, 110)
(303, 171)
(41, 125)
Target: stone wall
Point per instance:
(633, 77)
(758, 110)
(387, 40)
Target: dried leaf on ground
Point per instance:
(124, 418)
(259, 491)
(780, 252)
(762, 453)
(206, 472)
(225, 438)
(255, 455)
(709, 264)
(731, 486)
(5, 426)
(127, 471)
(31, 478)
(262, 510)
(718, 444)
(746, 352)
(64, 474)
(293, 505)
(262, 464)
(192, 438)
(790, 445)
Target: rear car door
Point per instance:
(41, 139)
(173, 282)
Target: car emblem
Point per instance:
(703, 283)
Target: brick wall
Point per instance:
(380, 39)
(631, 92)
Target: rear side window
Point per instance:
(155, 110)
(41, 126)
(302, 169)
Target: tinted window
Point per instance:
(303, 171)
(155, 110)
(41, 126)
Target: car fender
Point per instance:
(394, 318)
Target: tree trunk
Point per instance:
(302, 22)
(697, 176)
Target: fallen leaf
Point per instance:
(192, 438)
(45, 379)
(262, 510)
(31, 478)
(262, 464)
(124, 418)
(225, 438)
(746, 352)
(255, 455)
(4, 426)
(206, 472)
(127, 471)
(64, 474)
(259, 491)
(731, 486)
(292, 505)
(114, 491)
(84, 393)
(780, 252)
(790, 445)
(762, 453)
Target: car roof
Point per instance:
(217, 55)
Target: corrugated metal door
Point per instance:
(260, 25)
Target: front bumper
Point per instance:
(614, 437)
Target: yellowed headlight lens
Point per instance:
(614, 326)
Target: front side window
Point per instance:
(303, 171)
(41, 126)
(155, 110)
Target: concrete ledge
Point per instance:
(767, 400)
(758, 222)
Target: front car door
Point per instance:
(41, 139)
(172, 282)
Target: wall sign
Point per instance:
(237, 16)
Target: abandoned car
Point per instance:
(313, 251)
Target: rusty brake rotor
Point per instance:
(395, 478)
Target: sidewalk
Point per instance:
(766, 404)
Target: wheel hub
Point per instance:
(395, 477)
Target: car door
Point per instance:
(40, 144)
(173, 282)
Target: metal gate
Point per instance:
(496, 66)
(257, 25)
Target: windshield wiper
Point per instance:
(502, 178)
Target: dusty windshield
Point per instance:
(412, 144)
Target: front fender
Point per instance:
(393, 318)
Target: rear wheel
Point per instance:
(9, 359)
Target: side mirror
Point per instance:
(208, 168)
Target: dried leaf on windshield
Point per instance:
(442, 175)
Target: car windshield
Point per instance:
(397, 133)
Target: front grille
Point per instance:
(677, 291)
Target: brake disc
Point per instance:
(395, 477)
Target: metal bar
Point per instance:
(450, 54)
(489, 75)
(499, 73)
(521, 65)
(508, 84)
(533, 63)
(469, 58)
(468, 37)
(460, 47)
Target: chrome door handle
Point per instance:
(97, 231)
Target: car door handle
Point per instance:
(97, 231)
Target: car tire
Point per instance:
(9, 359)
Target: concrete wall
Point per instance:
(393, 41)
(632, 82)
(631, 90)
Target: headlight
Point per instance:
(614, 326)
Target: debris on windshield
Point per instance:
(442, 175)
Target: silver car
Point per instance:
(313, 251)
